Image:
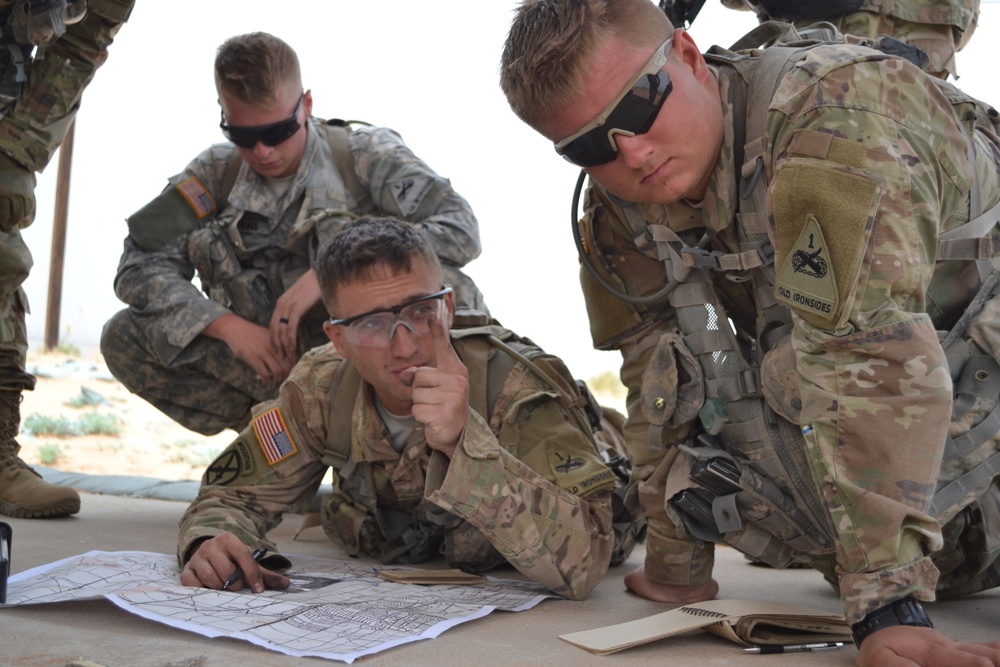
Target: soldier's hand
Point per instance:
(216, 559)
(288, 312)
(911, 646)
(251, 343)
(440, 393)
(17, 195)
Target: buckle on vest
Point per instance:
(766, 252)
(702, 259)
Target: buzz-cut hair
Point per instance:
(366, 248)
(255, 68)
(541, 69)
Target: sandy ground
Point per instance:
(149, 443)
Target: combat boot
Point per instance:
(23, 492)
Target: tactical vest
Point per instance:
(747, 483)
(489, 352)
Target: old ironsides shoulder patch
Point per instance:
(577, 474)
(273, 435)
(805, 279)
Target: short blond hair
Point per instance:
(255, 67)
(541, 65)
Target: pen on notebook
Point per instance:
(238, 574)
(796, 648)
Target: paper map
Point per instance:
(340, 610)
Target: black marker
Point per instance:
(238, 574)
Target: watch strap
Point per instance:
(901, 612)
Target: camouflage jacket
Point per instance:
(261, 244)
(865, 158)
(525, 484)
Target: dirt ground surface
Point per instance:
(148, 443)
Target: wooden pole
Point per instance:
(58, 255)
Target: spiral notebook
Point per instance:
(745, 622)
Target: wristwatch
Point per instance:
(901, 612)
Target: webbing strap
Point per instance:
(341, 149)
(971, 440)
(973, 240)
(967, 487)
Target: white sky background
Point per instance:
(426, 69)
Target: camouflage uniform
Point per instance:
(866, 159)
(247, 254)
(525, 484)
(940, 28)
(31, 129)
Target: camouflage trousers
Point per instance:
(206, 388)
(15, 263)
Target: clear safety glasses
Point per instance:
(377, 327)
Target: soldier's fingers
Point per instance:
(274, 581)
(288, 345)
(446, 358)
(422, 376)
(265, 373)
(407, 375)
(209, 570)
(272, 366)
(190, 578)
(251, 571)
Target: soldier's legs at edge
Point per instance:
(23, 493)
(30, 132)
(206, 388)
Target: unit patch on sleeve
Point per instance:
(273, 436)
(806, 280)
(409, 192)
(578, 475)
(229, 465)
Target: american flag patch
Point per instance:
(273, 436)
(197, 196)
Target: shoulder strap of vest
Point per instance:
(347, 382)
(771, 68)
(341, 149)
(339, 146)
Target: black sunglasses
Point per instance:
(633, 112)
(269, 135)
